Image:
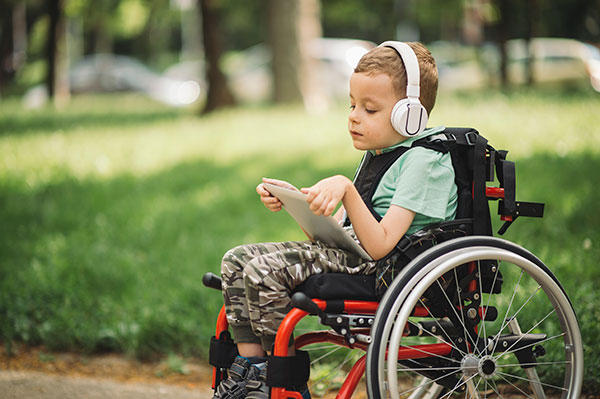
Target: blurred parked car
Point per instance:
(249, 71)
(459, 66)
(113, 73)
(555, 60)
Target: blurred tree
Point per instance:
(531, 10)
(244, 23)
(13, 40)
(219, 95)
(6, 44)
(57, 80)
(99, 33)
(374, 20)
(502, 32)
(293, 26)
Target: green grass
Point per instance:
(113, 209)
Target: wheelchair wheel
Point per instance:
(481, 317)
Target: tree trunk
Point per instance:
(502, 38)
(219, 95)
(293, 26)
(57, 80)
(532, 14)
(6, 46)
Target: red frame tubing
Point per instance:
(222, 325)
(354, 376)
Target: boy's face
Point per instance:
(371, 101)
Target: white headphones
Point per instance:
(409, 117)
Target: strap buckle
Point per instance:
(471, 137)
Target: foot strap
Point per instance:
(288, 372)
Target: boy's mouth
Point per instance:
(354, 133)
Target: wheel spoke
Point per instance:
(462, 313)
(530, 330)
(429, 369)
(332, 373)
(533, 364)
(514, 386)
(495, 389)
(438, 337)
(474, 393)
(429, 353)
(530, 380)
(456, 314)
(460, 384)
(426, 383)
(490, 295)
(480, 299)
(326, 354)
(503, 325)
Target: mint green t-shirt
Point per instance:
(421, 180)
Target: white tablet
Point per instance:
(322, 228)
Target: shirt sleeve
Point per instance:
(424, 182)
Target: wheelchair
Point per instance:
(468, 316)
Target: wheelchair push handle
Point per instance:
(211, 280)
(302, 301)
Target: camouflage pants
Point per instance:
(258, 279)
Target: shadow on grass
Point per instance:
(48, 122)
(117, 265)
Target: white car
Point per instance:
(112, 73)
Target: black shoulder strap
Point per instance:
(371, 171)
(481, 209)
(373, 167)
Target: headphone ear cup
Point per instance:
(409, 118)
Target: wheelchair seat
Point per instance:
(329, 286)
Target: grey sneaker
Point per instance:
(257, 388)
(234, 386)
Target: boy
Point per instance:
(417, 190)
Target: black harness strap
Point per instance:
(373, 167)
(481, 210)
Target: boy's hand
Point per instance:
(324, 196)
(271, 202)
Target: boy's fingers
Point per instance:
(280, 183)
(330, 208)
(260, 189)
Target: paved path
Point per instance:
(35, 385)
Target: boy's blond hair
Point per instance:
(386, 60)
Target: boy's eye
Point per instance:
(370, 111)
(352, 106)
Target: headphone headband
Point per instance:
(411, 65)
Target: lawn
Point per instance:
(113, 209)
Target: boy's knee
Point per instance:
(230, 264)
(253, 272)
